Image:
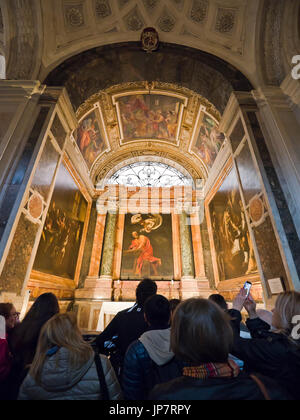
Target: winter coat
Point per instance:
(239, 388)
(61, 382)
(149, 361)
(5, 360)
(127, 326)
(268, 353)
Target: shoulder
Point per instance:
(136, 349)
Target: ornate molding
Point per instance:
(24, 47)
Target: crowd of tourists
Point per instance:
(196, 349)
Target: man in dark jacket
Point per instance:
(149, 360)
(127, 326)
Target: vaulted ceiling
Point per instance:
(258, 37)
(208, 48)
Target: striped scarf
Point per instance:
(213, 370)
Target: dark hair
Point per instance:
(220, 301)
(5, 309)
(157, 311)
(145, 289)
(201, 332)
(25, 336)
(174, 303)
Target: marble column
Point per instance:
(189, 285)
(108, 247)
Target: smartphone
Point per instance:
(2, 328)
(247, 286)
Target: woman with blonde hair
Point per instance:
(273, 351)
(65, 366)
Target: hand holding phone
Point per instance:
(2, 328)
(247, 287)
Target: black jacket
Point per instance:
(127, 326)
(268, 353)
(240, 388)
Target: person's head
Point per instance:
(61, 331)
(287, 306)
(44, 308)
(219, 300)
(8, 311)
(157, 311)
(201, 332)
(145, 289)
(135, 235)
(173, 305)
(25, 335)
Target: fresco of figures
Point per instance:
(89, 138)
(209, 141)
(147, 247)
(150, 117)
(61, 238)
(234, 254)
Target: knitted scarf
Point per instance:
(213, 370)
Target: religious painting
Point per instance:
(89, 138)
(61, 238)
(150, 117)
(209, 140)
(147, 247)
(234, 254)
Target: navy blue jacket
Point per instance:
(141, 374)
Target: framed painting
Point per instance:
(209, 140)
(156, 116)
(147, 247)
(60, 242)
(231, 245)
(89, 137)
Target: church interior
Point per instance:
(148, 139)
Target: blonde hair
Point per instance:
(61, 331)
(287, 306)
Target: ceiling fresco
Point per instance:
(139, 119)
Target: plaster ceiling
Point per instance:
(223, 28)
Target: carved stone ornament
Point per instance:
(150, 40)
(74, 16)
(256, 210)
(35, 206)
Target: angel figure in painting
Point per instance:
(152, 222)
(141, 246)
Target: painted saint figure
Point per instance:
(142, 245)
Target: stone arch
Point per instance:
(23, 39)
(102, 67)
(104, 167)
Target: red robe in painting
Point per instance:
(143, 243)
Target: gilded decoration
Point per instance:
(139, 119)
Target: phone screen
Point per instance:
(2, 328)
(247, 286)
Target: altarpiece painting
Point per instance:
(147, 247)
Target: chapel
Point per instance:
(148, 139)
